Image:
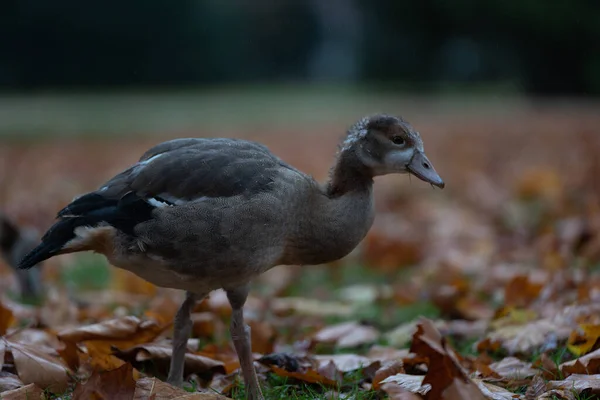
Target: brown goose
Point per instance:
(204, 214)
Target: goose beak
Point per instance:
(422, 168)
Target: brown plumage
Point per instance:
(204, 214)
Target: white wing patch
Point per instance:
(158, 202)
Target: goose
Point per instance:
(200, 214)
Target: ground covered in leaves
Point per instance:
(489, 289)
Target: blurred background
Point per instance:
(504, 94)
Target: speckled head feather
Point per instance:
(381, 122)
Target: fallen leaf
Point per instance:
(126, 330)
(385, 354)
(6, 319)
(396, 392)
(494, 392)
(263, 336)
(536, 388)
(162, 309)
(304, 306)
(347, 334)
(557, 395)
(548, 367)
(412, 383)
(145, 388)
(584, 339)
(28, 392)
(9, 381)
(513, 368)
(107, 385)
(158, 355)
(35, 366)
(344, 362)
(443, 367)
(588, 364)
(70, 353)
(308, 375)
(521, 291)
(41, 339)
(389, 369)
(461, 390)
(100, 355)
(402, 334)
(578, 383)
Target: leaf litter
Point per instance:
(488, 290)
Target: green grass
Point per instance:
(280, 388)
(88, 272)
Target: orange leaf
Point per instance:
(101, 357)
(309, 375)
(70, 354)
(6, 319)
(127, 329)
(520, 291)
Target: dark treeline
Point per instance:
(541, 46)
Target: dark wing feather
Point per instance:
(186, 169)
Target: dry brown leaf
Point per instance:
(330, 371)
(578, 383)
(396, 392)
(70, 353)
(263, 337)
(521, 291)
(385, 354)
(35, 366)
(548, 367)
(100, 355)
(148, 387)
(347, 334)
(107, 385)
(388, 369)
(536, 388)
(28, 392)
(443, 367)
(6, 319)
(158, 355)
(344, 362)
(412, 383)
(459, 390)
(300, 305)
(162, 309)
(9, 381)
(513, 368)
(588, 364)
(557, 395)
(494, 392)
(41, 339)
(307, 375)
(125, 330)
(203, 324)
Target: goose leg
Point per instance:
(182, 327)
(240, 333)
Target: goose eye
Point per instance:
(398, 140)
